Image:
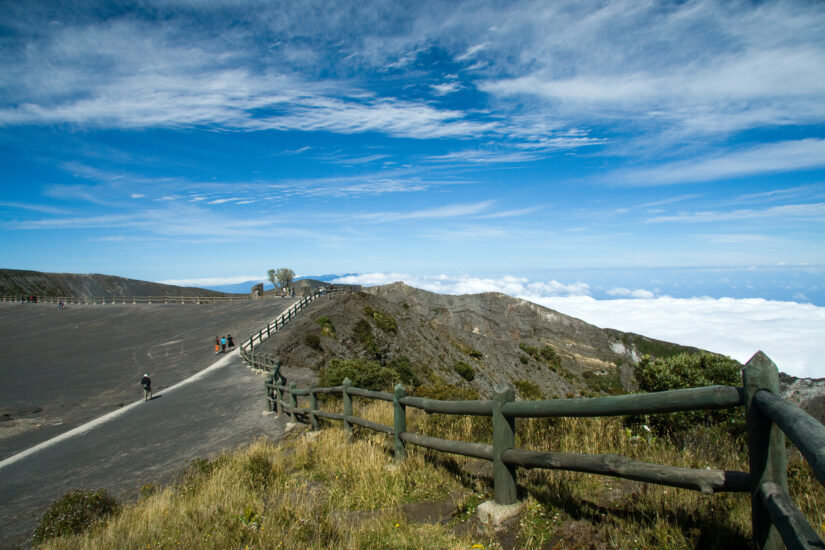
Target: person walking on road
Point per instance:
(230, 342)
(223, 344)
(217, 345)
(146, 382)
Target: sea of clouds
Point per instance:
(790, 333)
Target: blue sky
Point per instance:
(620, 149)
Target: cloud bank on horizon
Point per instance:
(790, 333)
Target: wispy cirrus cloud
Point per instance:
(32, 207)
(451, 211)
(783, 156)
(815, 211)
(484, 157)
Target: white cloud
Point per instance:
(441, 212)
(213, 281)
(783, 156)
(638, 293)
(789, 333)
(445, 284)
(694, 68)
(471, 51)
(790, 211)
(475, 156)
(445, 88)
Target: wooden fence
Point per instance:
(776, 520)
(268, 361)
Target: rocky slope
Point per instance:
(499, 337)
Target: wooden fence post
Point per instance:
(347, 402)
(273, 405)
(279, 396)
(504, 437)
(293, 401)
(399, 417)
(766, 449)
(313, 406)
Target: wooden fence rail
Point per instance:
(777, 522)
(271, 362)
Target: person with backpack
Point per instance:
(146, 382)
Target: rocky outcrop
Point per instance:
(808, 393)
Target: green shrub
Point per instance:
(75, 513)
(464, 370)
(523, 359)
(550, 356)
(362, 332)
(403, 368)
(690, 370)
(327, 328)
(532, 351)
(528, 391)
(384, 321)
(443, 391)
(366, 374)
(605, 383)
(313, 341)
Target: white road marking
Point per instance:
(169, 343)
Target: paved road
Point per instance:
(59, 369)
(219, 408)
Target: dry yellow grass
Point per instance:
(324, 491)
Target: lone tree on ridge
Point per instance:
(282, 277)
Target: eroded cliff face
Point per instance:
(500, 337)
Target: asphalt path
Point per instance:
(220, 406)
(60, 369)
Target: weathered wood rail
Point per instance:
(776, 520)
(271, 362)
